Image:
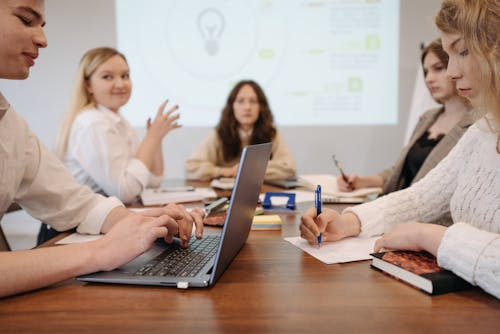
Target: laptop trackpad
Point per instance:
(139, 261)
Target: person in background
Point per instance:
(436, 133)
(465, 183)
(246, 119)
(37, 180)
(97, 144)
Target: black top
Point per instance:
(416, 157)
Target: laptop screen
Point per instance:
(244, 199)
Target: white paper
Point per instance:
(76, 238)
(223, 183)
(345, 250)
(159, 197)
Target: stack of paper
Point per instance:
(159, 196)
(266, 222)
(225, 183)
(331, 192)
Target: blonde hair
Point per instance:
(81, 99)
(478, 21)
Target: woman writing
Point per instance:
(436, 133)
(466, 183)
(245, 120)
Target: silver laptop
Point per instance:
(204, 261)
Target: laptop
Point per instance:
(205, 260)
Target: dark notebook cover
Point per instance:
(419, 269)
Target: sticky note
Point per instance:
(266, 222)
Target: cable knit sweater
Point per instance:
(466, 184)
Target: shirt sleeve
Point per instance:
(49, 193)
(472, 254)
(202, 165)
(427, 200)
(281, 164)
(104, 155)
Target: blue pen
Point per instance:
(317, 204)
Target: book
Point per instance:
(287, 183)
(224, 183)
(329, 186)
(418, 269)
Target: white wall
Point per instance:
(75, 26)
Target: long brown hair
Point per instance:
(478, 21)
(263, 130)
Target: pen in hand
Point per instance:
(341, 170)
(317, 204)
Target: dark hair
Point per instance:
(227, 129)
(435, 47)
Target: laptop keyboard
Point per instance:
(182, 262)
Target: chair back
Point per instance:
(4, 245)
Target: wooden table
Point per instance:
(271, 287)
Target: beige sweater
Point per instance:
(205, 162)
(34, 178)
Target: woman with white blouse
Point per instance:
(466, 183)
(97, 144)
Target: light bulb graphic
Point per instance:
(211, 24)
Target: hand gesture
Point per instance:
(164, 122)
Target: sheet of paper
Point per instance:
(75, 238)
(346, 250)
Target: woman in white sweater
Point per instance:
(96, 142)
(466, 183)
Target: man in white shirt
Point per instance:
(38, 181)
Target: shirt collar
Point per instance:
(244, 134)
(114, 116)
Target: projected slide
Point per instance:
(319, 62)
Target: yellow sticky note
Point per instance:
(266, 222)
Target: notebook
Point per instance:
(329, 186)
(222, 249)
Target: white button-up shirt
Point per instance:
(34, 178)
(101, 154)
